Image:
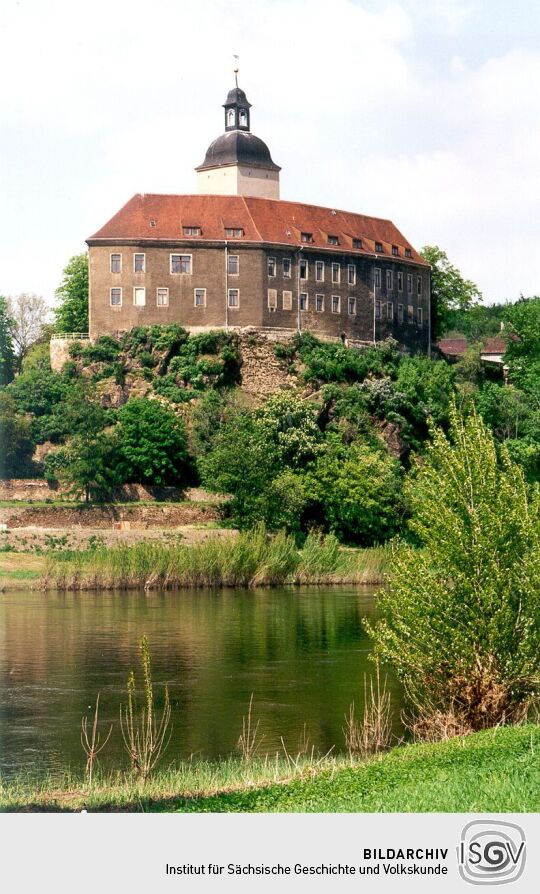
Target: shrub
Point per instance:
(154, 443)
(460, 620)
(105, 350)
(357, 490)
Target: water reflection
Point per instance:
(302, 653)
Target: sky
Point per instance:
(427, 113)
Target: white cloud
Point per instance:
(119, 97)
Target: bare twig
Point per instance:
(92, 743)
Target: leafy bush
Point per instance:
(104, 350)
(16, 444)
(460, 619)
(357, 491)
(153, 444)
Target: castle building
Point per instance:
(235, 255)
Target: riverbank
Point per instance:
(250, 559)
(497, 770)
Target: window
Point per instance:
(419, 285)
(162, 297)
(336, 304)
(271, 266)
(400, 281)
(408, 253)
(116, 297)
(319, 303)
(377, 278)
(304, 300)
(233, 265)
(153, 222)
(352, 306)
(139, 297)
(419, 316)
(377, 310)
(400, 313)
(199, 297)
(333, 240)
(191, 231)
(234, 232)
(410, 313)
(409, 283)
(272, 299)
(389, 310)
(287, 267)
(287, 300)
(234, 297)
(306, 237)
(395, 251)
(378, 247)
(116, 263)
(335, 272)
(303, 269)
(180, 263)
(230, 118)
(357, 243)
(139, 263)
(389, 280)
(319, 271)
(243, 118)
(351, 274)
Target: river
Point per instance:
(303, 654)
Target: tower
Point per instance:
(238, 163)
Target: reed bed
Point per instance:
(253, 559)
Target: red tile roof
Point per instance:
(496, 345)
(262, 220)
(452, 347)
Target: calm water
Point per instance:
(302, 653)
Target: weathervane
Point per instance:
(236, 68)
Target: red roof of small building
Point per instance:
(162, 217)
(452, 347)
(496, 345)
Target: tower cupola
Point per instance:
(238, 162)
(236, 110)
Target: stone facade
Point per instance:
(332, 294)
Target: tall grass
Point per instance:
(253, 558)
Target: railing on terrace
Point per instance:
(75, 336)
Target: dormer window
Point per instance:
(395, 251)
(408, 253)
(234, 232)
(333, 240)
(191, 231)
(378, 247)
(357, 243)
(306, 237)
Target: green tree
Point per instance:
(87, 465)
(7, 354)
(523, 351)
(154, 444)
(242, 464)
(357, 490)
(16, 445)
(460, 618)
(450, 292)
(71, 315)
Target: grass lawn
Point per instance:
(493, 771)
(19, 567)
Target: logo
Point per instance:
(491, 852)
